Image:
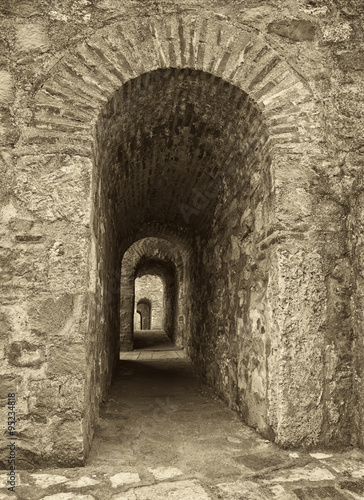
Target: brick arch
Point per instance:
(154, 255)
(86, 77)
(144, 308)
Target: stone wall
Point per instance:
(151, 288)
(142, 315)
(234, 131)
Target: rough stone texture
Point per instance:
(150, 288)
(233, 130)
(213, 453)
(162, 259)
(142, 314)
(296, 30)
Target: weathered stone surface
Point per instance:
(150, 288)
(6, 88)
(308, 473)
(31, 36)
(294, 29)
(9, 384)
(8, 132)
(24, 354)
(46, 480)
(198, 125)
(68, 496)
(162, 473)
(68, 442)
(82, 482)
(351, 61)
(124, 478)
(177, 490)
(239, 489)
(51, 314)
(66, 360)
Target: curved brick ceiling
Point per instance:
(164, 138)
(155, 267)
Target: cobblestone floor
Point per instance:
(164, 435)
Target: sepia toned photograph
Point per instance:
(182, 249)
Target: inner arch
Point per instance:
(168, 142)
(182, 155)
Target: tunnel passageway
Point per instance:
(159, 414)
(164, 434)
(152, 340)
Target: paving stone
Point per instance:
(179, 490)
(355, 496)
(307, 473)
(83, 481)
(239, 490)
(233, 439)
(18, 479)
(130, 495)
(320, 493)
(320, 456)
(46, 480)
(280, 493)
(124, 478)
(259, 461)
(129, 355)
(162, 473)
(356, 488)
(68, 496)
(355, 468)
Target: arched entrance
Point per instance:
(203, 137)
(144, 309)
(160, 258)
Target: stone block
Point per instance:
(54, 187)
(22, 8)
(351, 60)
(124, 478)
(178, 490)
(7, 95)
(295, 29)
(47, 480)
(65, 360)
(5, 326)
(25, 354)
(51, 315)
(68, 442)
(9, 384)
(20, 225)
(8, 133)
(44, 397)
(32, 37)
(240, 489)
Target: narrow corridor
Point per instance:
(161, 420)
(150, 340)
(163, 435)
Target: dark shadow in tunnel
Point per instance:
(152, 340)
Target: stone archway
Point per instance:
(144, 308)
(158, 257)
(256, 235)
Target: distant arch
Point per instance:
(144, 308)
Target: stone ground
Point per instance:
(164, 435)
